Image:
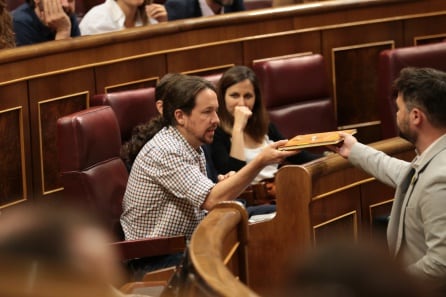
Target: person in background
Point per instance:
(168, 190)
(144, 132)
(43, 20)
(416, 232)
(55, 251)
(348, 269)
(245, 128)
(114, 15)
(6, 31)
(185, 9)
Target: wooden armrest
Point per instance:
(149, 247)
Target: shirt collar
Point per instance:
(118, 15)
(178, 135)
(419, 159)
(206, 10)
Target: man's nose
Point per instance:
(215, 118)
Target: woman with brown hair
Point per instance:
(6, 32)
(245, 129)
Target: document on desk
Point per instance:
(261, 217)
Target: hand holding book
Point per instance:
(314, 139)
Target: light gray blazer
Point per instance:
(417, 226)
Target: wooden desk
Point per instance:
(316, 202)
(43, 82)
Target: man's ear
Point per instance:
(179, 117)
(159, 106)
(416, 116)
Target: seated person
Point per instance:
(244, 125)
(185, 9)
(114, 15)
(344, 268)
(55, 251)
(168, 190)
(144, 132)
(43, 20)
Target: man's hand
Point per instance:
(54, 16)
(347, 144)
(271, 155)
(157, 12)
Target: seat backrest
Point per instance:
(132, 107)
(213, 77)
(92, 173)
(13, 4)
(297, 94)
(390, 64)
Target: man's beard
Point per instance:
(411, 137)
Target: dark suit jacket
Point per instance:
(184, 9)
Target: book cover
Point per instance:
(314, 139)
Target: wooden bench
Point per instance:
(217, 261)
(316, 202)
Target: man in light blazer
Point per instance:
(184, 9)
(416, 232)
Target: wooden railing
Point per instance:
(217, 255)
(316, 202)
(43, 82)
(322, 200)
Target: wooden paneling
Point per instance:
(208, 56)
(15, 153)
(425, 29)
(320, 201)
(129, 73)
(12, 185)
(53, 97)
(282, 44)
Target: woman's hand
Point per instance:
(53, 15)
(241, 117)
(157, 12)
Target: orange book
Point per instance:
(315, 139)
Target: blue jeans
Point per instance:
(139, 267)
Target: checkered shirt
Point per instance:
(166, 187)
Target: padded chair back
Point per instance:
(132, 107)
(297, 94)
(213, 77)
(13, 4)
(92, 173)
(390, 64)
